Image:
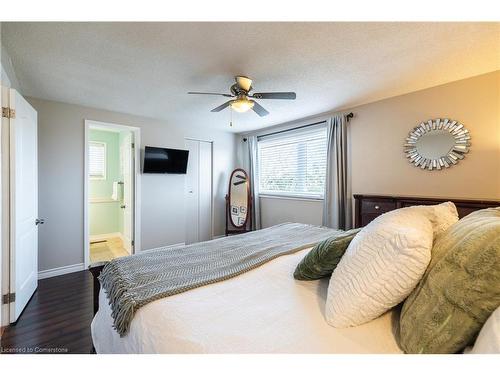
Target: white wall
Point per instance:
(276, 210)
(376, 136)
(61, 158)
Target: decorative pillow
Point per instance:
(442, 216)
(324, 257)
(488, 341)
(459, 290)
(381, 266)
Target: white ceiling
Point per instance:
(147, 68)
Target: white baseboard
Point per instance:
(60, 271)
(165, 247)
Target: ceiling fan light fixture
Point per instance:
(242, 105)
(241, 102)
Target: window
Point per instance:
(97, 160)
(293, 163)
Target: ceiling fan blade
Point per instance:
(275, 95)
(259, 109)
(244, 82)
(221, 107)
(210, 93)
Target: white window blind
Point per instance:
(97, 160)
(293, 163)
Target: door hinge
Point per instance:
(8, 298)
(8, 112)
(133, 145)
(132, 243)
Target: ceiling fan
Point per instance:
(240, 90)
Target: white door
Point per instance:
(192, 177)
(24, 204)
(205, 192)
(199, 191)
(127, 162)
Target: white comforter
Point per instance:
(262, 311)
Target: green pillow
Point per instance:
(324, 257)
(459, 290)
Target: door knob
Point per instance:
(123, 206)
(39, 221)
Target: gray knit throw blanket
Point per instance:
(132, 282)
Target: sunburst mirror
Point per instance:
(437, 144)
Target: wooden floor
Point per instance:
(56, 320)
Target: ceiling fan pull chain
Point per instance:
(230, 116)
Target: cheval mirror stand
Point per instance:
(238, 203)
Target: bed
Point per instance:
(264, 310)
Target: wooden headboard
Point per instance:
(367, 207)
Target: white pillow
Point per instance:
(442, 216)
(488, 341)
(381, 266)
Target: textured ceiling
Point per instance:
(147, 68)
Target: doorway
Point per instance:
(112, 183)
(199, 197)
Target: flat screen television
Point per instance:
(165, 160)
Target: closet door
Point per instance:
(192, 200)
(205, 191)
(199, 191)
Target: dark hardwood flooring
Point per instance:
(57, 318)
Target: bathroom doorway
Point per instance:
(111, 197)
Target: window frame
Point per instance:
(105, 166)
(286, 134)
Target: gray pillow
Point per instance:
(324, 257)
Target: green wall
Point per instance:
(105, 217)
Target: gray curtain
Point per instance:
(337, 204)
(254, 179)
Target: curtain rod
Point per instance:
(291, 129)
(348, 116)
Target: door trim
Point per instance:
(4, 208)
(137, 185)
